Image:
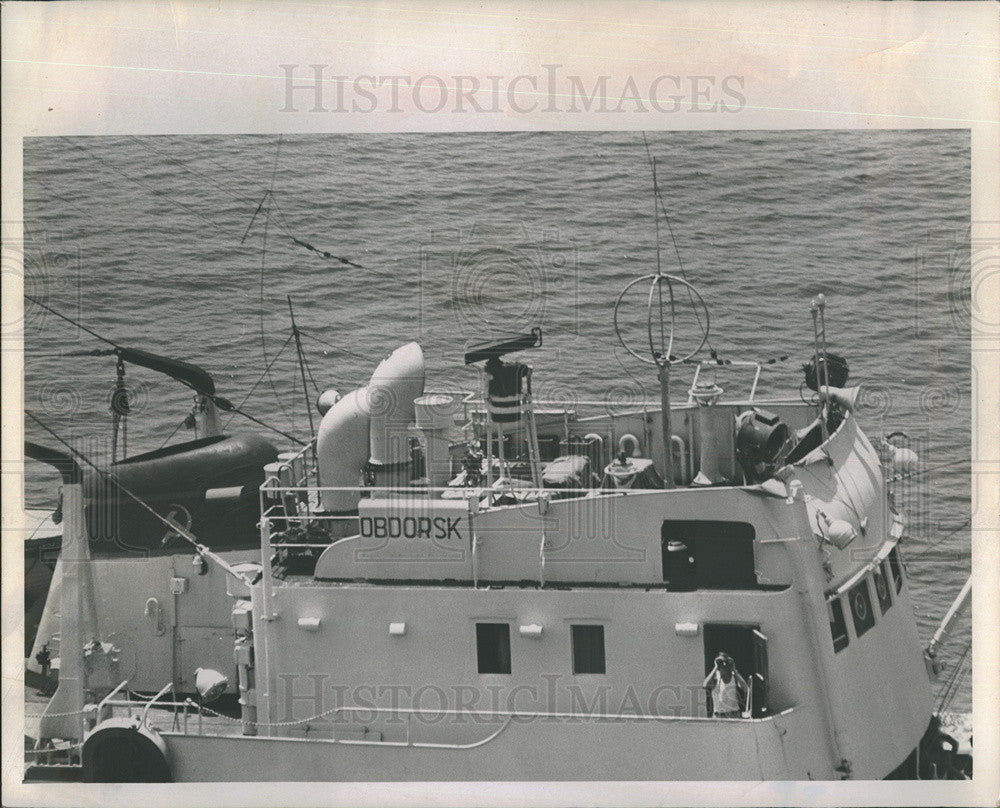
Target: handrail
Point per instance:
(149, 704)
(129, 704)
(834, 592)
(105, 701)
(733, 364)
(399, 495)
(475, 559)
(651, 406)
(507, 718)
(541, 561)
(956, 608)
(421, 492)
(525, 714)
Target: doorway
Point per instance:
(747, 645)
(708, 554)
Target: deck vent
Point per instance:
(686, 629)
(397, 629)
(309, 623)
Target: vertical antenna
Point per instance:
(814, 309)
(656, 214)
(821, 301)
(119, 413)
(302, 366)
(661, 354)
(656, 202)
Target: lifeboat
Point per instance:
(208, 486)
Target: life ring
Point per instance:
(121, 750)
(628, 438)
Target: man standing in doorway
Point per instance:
(727, 688)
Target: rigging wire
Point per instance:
(913, 556)
(180, 530)
(656, 212)
(955, 680)
(261, 423)
(302, 366)
(184, 421)
(287, 232)
(338, 349)
(70, 320)
(232, 193)
(263, 336)
(639, 384)
(253, 218)
(137, 181)
(219, 401)
(263, 266)
(305, 361)
(658, 198)
(283, 224)
(309, 371)
(331, 346)
(48, 192)
(260, 378)
(929, 469)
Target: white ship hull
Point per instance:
(527, 748)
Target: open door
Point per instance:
(747, 645)
(758, 684)
(707, 554)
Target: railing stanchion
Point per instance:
(145, 710)
(266, 552)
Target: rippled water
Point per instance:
(154, 243)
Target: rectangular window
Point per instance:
(838, 625)
(860, 599)
(896, 565)
(588, 649)
(882, 587)
(493, 647)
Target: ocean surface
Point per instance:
(189, 247)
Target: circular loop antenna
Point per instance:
(663, 355)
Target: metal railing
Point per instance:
(732, 364)
(506, 717)
(179, 715)
(413, 502)
(365, 720)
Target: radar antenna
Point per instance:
(661, 352)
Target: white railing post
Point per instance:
(145, 710)
(267, 582)
(543, 508)
(756, 378)
(541, 561)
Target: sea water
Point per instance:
(190, 246)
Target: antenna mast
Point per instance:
(661, 352)
(302, 366)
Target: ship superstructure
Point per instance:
(481, 586)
